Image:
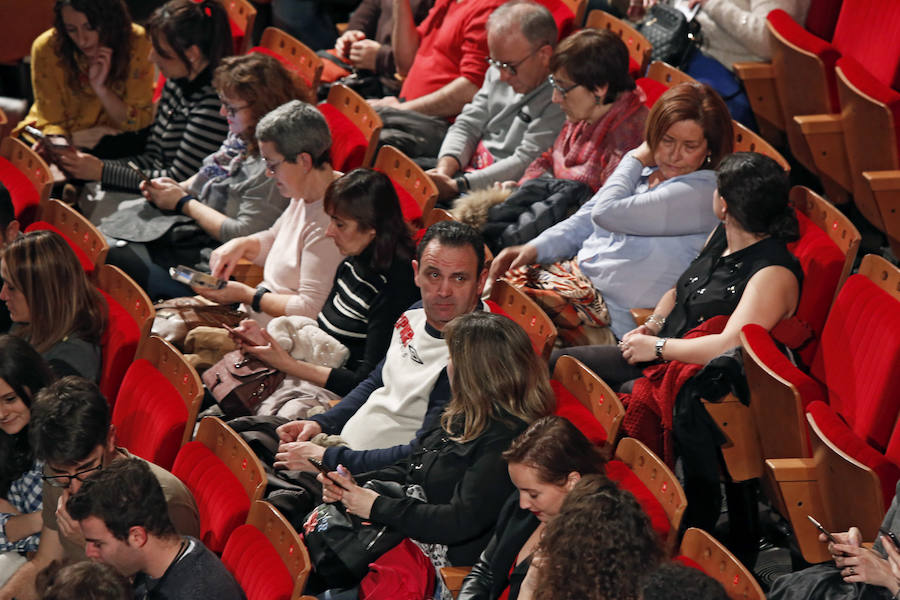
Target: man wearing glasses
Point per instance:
(72, 434)
(512, 118)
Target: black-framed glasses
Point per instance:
(272, 167)
(64, 481)
(510, 67)
(562, 90)
(232, 110)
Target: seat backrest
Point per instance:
(130, 317)
(822, 16)
(225, 477)
(593, 393)
(524, 311)
(866, 31)
(241, 16)
(266, 556)
(638, 47)
(667, 75)
(354, 126)
(300, 57)
(858, 356)
(157, 405)
(416, 191)
(658, 479)
(568, 14)
(436, 215)
(89, 245)
(26, 176)
(746, 140)
(718, 562)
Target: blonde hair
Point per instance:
(61, 300)
(495, 374)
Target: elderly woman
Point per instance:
(605, 113)
(299, 260)
(648, 221)
(230, 196)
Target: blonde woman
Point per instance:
(52, 304)
(499, 386)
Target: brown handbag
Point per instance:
(239, 383)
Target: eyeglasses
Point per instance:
(64, 481)
(510, 67)
(232, 110)
(562, 90)
(272, 167)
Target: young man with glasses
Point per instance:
(71, 432)
(512, 118)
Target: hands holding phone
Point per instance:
(339, 486)
(861, 565)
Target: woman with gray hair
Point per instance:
(298, 260)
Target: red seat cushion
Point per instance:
(822, 17)
(569, 407)
(256, 565)
(562, 14)
(118, 345)
(149, 414)
(836, 430)
(866, 30)
(789, 29)
(411, 210)
(625, 477)
(652, 90)
(221, 500)
(348, 144)
(863, 80)
(86, 263)
(689, 562)
(237, 36)
(25, 197)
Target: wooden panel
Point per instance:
(720, 564)
(231, 448)
(593, 393)
(304, 59)
(285, 540)
(361, 113)
(524, 311)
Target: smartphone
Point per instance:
(193, 277)
(823, 530)
(324, 470)
(137, 169)
(890, 534)
(34, 132)
(243, 337)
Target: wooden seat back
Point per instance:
(720, 564)
(524, 311)
(667, 75)
(594, 393)
(125, 290)
(304, 60)
(745, 140)
(33, 167)
(78, 229)
(242, 15)
(361, 114)
(638, 47)
(411, 178)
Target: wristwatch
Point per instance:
(257, 297)
(660, 345)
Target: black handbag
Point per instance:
(670, 34)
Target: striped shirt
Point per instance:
(187, 128)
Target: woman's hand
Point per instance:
(894, 561)
(294, 456)
(80, 165)
(224, 259)
(164, 192)
(638, 347)
(510, 258)
(864, 566)
(298, 431)
(645, 155)
(340, 487)
(510, 184)
(98, 70)
(271, 353)
(234, 291)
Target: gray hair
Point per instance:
(296, 127)
(531, 19)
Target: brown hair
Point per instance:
(61, 300)
(263, 83)
(496, 374)
(594, 58)
(693, 102)
(113, 24)
(554, 447)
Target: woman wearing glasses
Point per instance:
(299, 261)
(230, 196)
(605, 113)
(22, 375)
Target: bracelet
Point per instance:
(257, 297)
(179, 206)
(655, 319)
(660, 346)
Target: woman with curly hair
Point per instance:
(598, 547)
(22, 374)
(91, 70)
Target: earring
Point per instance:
(708, 159)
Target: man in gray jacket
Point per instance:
(512, 118)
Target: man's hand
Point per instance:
(447, 187)
(294, 456)
(364, 53)
(343, 44)
(298, 431)
(69, 528)
(388, 101)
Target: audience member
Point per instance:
(22, 375)
(647, 222)
(71, 433)
(605, 112)
(91, 72)
(122, 512)
(597, 548)
(675, 581)
(511, 119)
(407, 392)
(189, 40)
(9, 230)
(298, 259)
(498, 386)
(855, 571)
(52, 303)
(544, 464)
(371, 289)
(230, 196)
(85, 580)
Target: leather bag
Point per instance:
(239, 383)
(669, 33)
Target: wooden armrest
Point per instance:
(885, 187)
(820, 123)
(883, 181)
(640, 315)
(825, 136)
(759, 82)
(792, 469)
(453, 578)
(754, 70)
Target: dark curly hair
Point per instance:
(675, 581)
(185, 23)
(599, 545)
(112, 21)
